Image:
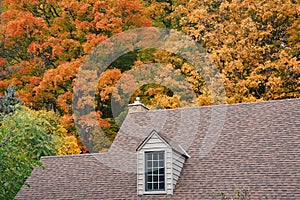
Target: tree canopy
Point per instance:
(254, 44)
(25, 136)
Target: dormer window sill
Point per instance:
(155, 192)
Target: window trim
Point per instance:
(165, 172)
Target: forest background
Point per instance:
(254, 44)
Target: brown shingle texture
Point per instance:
(258, 149)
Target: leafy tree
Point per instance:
(43, 43)
(255, 44)
(25, 136)
(64, 143)
(23, 140)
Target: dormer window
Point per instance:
(155, 171)
(159, 163)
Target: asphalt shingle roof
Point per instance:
(256, 148)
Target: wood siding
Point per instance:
(140, 172)
(154, 143)
(177, 165)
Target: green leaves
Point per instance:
(23, 140)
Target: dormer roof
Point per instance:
(172, 144)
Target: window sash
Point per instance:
(155, 171)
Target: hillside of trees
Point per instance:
(254, 44)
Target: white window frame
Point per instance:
(165, 172)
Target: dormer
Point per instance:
(159, 163)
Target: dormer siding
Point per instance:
(173, 164)
(177, 165)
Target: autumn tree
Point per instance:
(255, 44)
(43, 43)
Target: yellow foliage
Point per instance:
(164, 101)
(67, 145)
(204, 100)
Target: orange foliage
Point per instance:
(45, 42)
(107, 82)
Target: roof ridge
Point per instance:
(217, 105)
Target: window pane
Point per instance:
(155, 156)
(161, 186)
(155, 186)
(149, 156)
(161, 155)
(161, 163)
(150, 186)
(162, 170)
(161, 178)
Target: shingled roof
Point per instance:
(257, 148)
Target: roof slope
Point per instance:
(258, 148)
